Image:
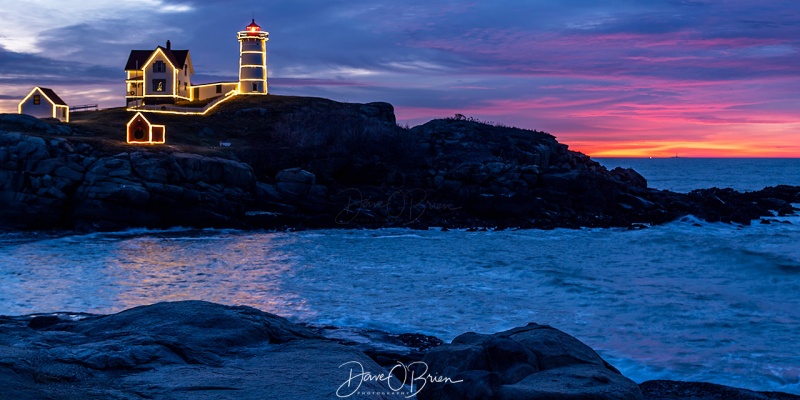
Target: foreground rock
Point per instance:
(200, 350)
(183, 350)
(532, 362)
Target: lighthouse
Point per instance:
(253, 60)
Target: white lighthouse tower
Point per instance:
(253, 60)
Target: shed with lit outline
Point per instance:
(141, 131)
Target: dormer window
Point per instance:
(159, 66)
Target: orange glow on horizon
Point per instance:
(700, 149)
(656, 134)
(743, 140)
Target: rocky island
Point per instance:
(296, 162)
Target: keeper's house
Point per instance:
(44, 103)
(158, 76)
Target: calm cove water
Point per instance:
(688, 300)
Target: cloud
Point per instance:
(23, 24)
(173, 8)
(31, 69)
(294, 82)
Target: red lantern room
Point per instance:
(253, 28)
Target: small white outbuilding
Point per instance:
(44, 103)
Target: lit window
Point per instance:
(37, 99)
(159, 66)
(159, 85)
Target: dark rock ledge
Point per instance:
(201, 350)
(314, 163)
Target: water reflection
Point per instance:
(228, 269)
(105, 273)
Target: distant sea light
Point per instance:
(686, 174)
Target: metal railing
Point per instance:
(85, 107)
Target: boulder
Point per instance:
(197, 168)
(380, 110)
(629, 176)
(29, 149)
(562, 182)
(22, 122)
(635, 202)
(580, 381)
(153, 167)
(295, 175)
(531, 362)
(294, 183)
(197, 325)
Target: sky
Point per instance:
(611, 78)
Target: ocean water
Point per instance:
(687, 300)
(686, 174)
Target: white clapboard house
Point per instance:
(43, 102)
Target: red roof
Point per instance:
(253, 25)
(52, 96)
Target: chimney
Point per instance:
(169, 45)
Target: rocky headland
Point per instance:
(313, 163)
(199, 350)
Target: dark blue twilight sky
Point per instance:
(611, 77)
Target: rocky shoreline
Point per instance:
(365, 172)
(201, 350)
